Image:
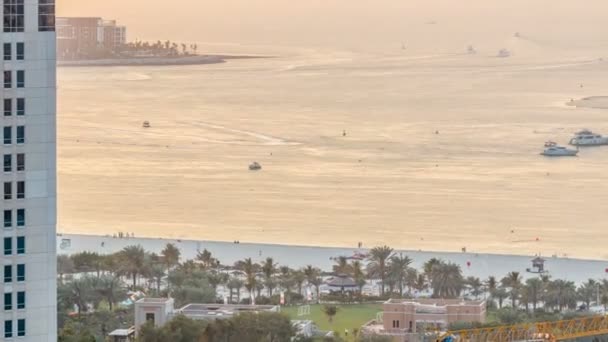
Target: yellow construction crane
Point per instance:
(542, 332)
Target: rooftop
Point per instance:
(218, 310)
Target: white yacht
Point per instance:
(558, 151)
(588, 138)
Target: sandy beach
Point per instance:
(481, 265)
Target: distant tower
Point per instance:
(28, 210)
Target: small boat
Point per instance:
(559, 151)
(503, 53)
(471, 50)
(255, 166)
(550, 144)
(588, 138)
(146, 124)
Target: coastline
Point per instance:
(155, 61)
(481, 265)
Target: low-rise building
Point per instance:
(405, 319)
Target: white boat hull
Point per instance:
(565, 153)
(589, 142)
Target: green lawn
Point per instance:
(348, 317)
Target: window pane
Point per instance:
(8, 107)
(8, 163)
(8, 136)
(8, 55)
(8, 246)
(21, 106)
(20, 162)
(20, 217)
(20, 78)
(8, 190)
(21, 190)
(8, 79)
(20, 51)
(21, 300)
(20, 272)
(8, 329)
(20, 134)
(8, 218)
(21, 327)
(8, 274)
(8, 301)
(21, 245)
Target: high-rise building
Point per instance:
(28, 293)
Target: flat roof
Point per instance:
(223, 310)
(154, 300)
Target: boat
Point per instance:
(588, 138)
(145, 124)
(503, 53)
(559, 151)
(255, 166)
(471, 50)
(550, 144)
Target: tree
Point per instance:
(561, 294)
(87, 262)
(512, 281)
(429, 267)
(249, 267)
(269, 268)
(474, 285)
(358, 275)
(500, 294)
(398, 270)
(65, 265)
(111, 289)
(378, 257)
(491, 285)
(587, 291)
(534, 287)
(132, 259)
(235, 283)
(446, 280)
(263, 327)
(170, 255)
(157, 273)
(330, 311)
(206, 259)
(342, 267)
(299, 278)
(316, 282)
(179, 329)
(420, 283)
(77, 292)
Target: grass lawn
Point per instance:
(348, 317)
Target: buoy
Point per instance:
(468, 264)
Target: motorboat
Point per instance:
(559, 151)
(255, 166)
(588, 138)
(145, 124)
(550, 144)
(503, 53)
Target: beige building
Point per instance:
(405, 318)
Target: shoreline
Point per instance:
(480, 265)
(155, 61)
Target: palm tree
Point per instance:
(77, 292)
(235, 284)
(299, 278)
(132, 260)
(491, 285)
(249, 267)
(561, 294)
(447, 280)
(534, 287)
(429, 268)
(206, 259)
(500, 294)
(398, 270)
(378, 257)
(170, 255)
(330, 311)
(111, 289)
(474, 285)
(316, 282)
(342, 267)
(420, 283)
(157, 273)
(269, 268)
(358, 275)
(588, 291)
(512, 281)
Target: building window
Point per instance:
(20, 300)
(8, 301)
(20, 106)
(8, 274)
(396, 324)
(8, 52)
(21, 272)
(8, 107)
(14, 19)
(20, 78)
(20, 161)
(8, 135)
(8, 163)
(150, 317)
(8, 190)
(8, 219)
(20, 134)
(20, 51)
(8, 79)
(21, 327)
(21, 190)
(8, 329)
(20, 217)
(8, 246)
(46, 15)
(21, 245)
